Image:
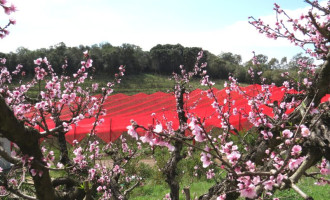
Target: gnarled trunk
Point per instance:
(27, 140)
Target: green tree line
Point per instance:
(161, 59)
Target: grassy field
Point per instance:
(150, 83)
(133, 84)
(156, 192)
(152, 191)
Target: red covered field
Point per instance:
(122, 108)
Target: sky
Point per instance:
(214, 25)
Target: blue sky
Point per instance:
(215, 25)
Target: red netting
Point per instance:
(122, 108)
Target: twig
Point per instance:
(20, 194)
(132, 188)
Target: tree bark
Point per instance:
(171, 166)
(64, 158)
(28, 141)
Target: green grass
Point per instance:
(308, 186)
(152, 191)
(149, 83)
(130, 85)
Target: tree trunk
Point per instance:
(170, 171)
(171, 166)
(64, 158)
(27, 140)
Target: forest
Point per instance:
(161, 59)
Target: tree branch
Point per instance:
(7, 157)
(300, 192)
(20, 194)
(131, 188)
(318, 7)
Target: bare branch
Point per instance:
(316, 5)
(7, 157)
(132, 188)
(20, 194)
(51, 131)
(300, 192)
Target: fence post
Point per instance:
(74, 132)
(239, 122)
(110, 129)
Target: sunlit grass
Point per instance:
(149, 83)
(130, 85)
(152, 191)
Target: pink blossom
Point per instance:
(256, 180)
(221, 197)
(206, 157)
(147, 137)
(247, 191)
(12, 8)
(40, 173)
(250, 165)
(169, 146)
(99, 189)
(305, 132)
(33, 172)
(197, 131)
(210, 174)
(116, 169)
(158, 128)
(324, 171)
(233, 157)
(45, 61)
(268, 185)
(287, 133)
(38, 61)
(59, 165)
(267, 151)
(66, 126)
(89, 63)
(167, 197)
(280, 177)
(267, 135)
(296, 150)
(13, 182)
(95, 86)
(235, 111)
(294, 163)
(91, 173)
(286, 84)
(324, 167)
